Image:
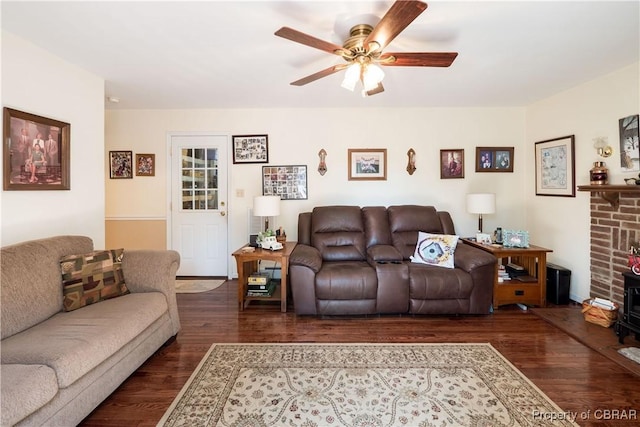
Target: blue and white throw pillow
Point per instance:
(435, 249)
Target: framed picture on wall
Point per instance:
(451, 164)
(120, 164)
(367, 164)
(36, 152)
(555, 167)
(145, 164)
(494, 159)
(250, 148)
(629, 143)
(288, 182)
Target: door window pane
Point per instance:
(200, 173)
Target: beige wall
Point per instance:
(296, 136)
(136, 234)
(37, 82)
(587, 111)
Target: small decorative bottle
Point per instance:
(599, 173)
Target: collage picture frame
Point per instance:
(288, 182)
(494, 159)
(250, 148)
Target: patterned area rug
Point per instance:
(195, 286)
(359, 385)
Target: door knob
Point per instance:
(223, 213)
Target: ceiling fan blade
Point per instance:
(377, 89)
(419, 59)
(397, 18)
(307, 40)
(320, 74)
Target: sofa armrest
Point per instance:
(469, 258)
(306, 256)
(383, 253)
(153, 271)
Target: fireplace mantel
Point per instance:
(610, 193)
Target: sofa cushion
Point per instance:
(29, 271)
(427, 282)
(75, 342)
(435, 249)
(346, 281)
(338, 233)
(406, 221)
(24, 389)
(92, 277)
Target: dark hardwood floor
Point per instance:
(577, 378)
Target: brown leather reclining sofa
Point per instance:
(354, 261)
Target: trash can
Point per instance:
(558, 284)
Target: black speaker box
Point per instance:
(558, 284)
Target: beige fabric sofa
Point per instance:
(58, 366)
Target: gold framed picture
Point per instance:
(36, 152)
(367, 164)
(145, 164)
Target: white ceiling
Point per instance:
(223, 54)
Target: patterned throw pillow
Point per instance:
(435, 249)
(92, 277)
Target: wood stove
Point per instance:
(630, 321)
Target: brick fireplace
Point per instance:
(613, 229)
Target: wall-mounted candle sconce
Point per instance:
(322, 166)
(411, 162)
(601, 144)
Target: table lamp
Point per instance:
(481, 203)
(266, 206)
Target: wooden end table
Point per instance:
(533, 259)
(248, 263)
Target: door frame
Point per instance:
(169, 216)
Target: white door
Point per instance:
(199, 203)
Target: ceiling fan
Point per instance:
(363, 50)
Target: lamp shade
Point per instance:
(372, 77)
(351, 76)
(481, 203)
(266, 206)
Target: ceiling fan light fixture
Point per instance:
(363, 50)
(351, 76)
(372, 76)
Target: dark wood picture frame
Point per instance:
(289, 182)
(145, 164)
(367, 164)
(250, 148)
(556, 167)
(120, 164)
(629, 147)
(494, 159)
(27, 167)
(452, 163)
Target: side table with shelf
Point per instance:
(247, 263)
(533, 259)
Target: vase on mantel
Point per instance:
(599, 174)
